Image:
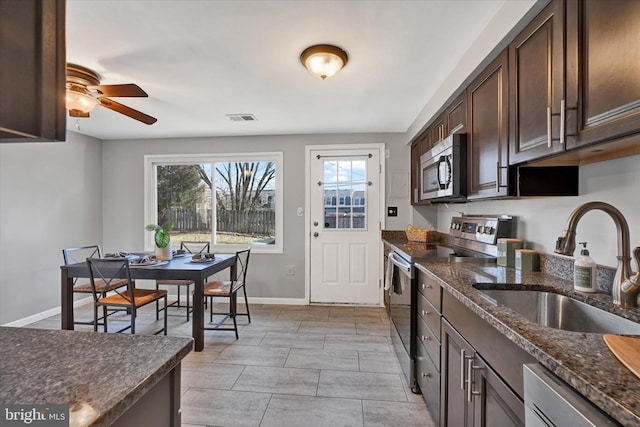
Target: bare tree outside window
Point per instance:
(244, 206)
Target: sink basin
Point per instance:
(561, 312)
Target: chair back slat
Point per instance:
(195, 247)
(80, 254)
(242, 264)
(108, 270)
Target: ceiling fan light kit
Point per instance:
(323, 60)
(78, 100)
(84, 92)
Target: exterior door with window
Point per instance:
(344, 241)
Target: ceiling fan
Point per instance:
(84, 92)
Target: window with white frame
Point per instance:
(230, 200)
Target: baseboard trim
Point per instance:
(47, 313)
(57, 310)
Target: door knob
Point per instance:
(315, 234)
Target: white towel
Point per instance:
(388, 277)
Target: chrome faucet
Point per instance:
(625, 286)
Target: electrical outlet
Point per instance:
(300, 211)
(291, 270)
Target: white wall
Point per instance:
(123, 220)
(50, 198)
(541, 220)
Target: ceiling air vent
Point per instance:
(242, 117)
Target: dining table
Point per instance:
(182, 268)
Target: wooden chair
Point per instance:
(110, 269)
(189, 248)
(78, 255)
(229, 289)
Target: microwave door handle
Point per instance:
(441, 160)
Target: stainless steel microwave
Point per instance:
(443, 170)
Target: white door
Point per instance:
(344, 214)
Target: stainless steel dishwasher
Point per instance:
(548, 401)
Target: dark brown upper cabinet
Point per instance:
(32, 70)
(487, 131)
(456, 115)
(438, 129)
(415, 173)
(536, 86)
(603, 70)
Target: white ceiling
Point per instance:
(201, 60)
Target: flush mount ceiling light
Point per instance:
(323, 60)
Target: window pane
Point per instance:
(184, 197)
(345, 190)
(245, 202)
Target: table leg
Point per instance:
(67, 300)
(198, 315)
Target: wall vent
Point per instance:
(242, 117)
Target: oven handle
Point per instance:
(400, 263)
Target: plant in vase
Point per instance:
(162, 238)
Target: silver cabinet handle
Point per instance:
(549, 127)
(462, 359)
(425, 338)
(470, 368)
(562, 119)
(498, 176)
(426, 375)
(424, 286)
(315, 234)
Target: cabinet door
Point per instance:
(415, 173)
(456, 115)
(455, 410)
(603, 62)
(439, 129)
(32, 70)
(536, 86)
(494, 404)
(487, 136)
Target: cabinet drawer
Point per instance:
(428, 378)
(429, 314)
(430, 342)
(431, 290)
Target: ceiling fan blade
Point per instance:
(127, 111)
(125, 90)
(77, 113)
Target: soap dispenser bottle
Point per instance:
(584, 271)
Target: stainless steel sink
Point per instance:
(561, 312)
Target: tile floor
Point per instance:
(292, 366)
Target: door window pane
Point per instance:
(345, 183)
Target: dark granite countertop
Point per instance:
(101, 374)
(581, 359)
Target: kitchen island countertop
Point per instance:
(99, 375)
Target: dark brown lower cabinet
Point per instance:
(473, 394)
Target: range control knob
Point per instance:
(488, 230)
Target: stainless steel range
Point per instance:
(472, 238)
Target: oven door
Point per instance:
(402, 291)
